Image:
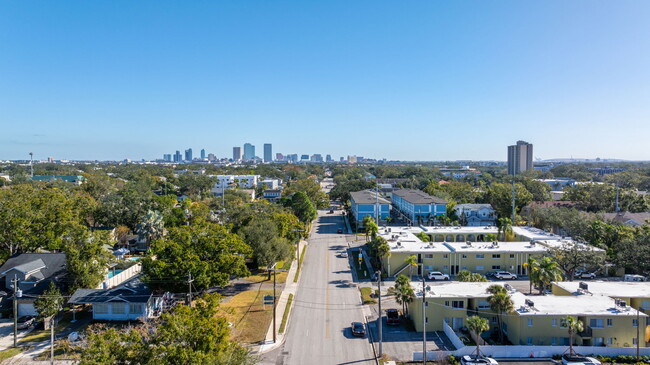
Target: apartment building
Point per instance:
(368, 203)
(416, 206)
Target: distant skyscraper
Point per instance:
(212, 157)
(202, 154)
(167, 157)
(178, 157)
(292, 157)
(316, 158)
(268, 152)
(188, 154)
(236, 153)
(328, 158)
(279, 157)
(249, 151)
(520, 157)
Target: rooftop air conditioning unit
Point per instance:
(583, 285)
(617, 301)
(530, 303)
(622, 303)
(495, 244)
(399, 244)
(469, 243)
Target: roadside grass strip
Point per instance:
(249, 315)
(263, 276)
(285, 316)
(366, 296)
(10, 352)
(302, 256)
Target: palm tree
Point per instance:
(548, 271)
(383, 251)
(532, 266)
(412, 262)
(151, 226)
(404, 294)
(478, 325)
(504, 225)
(500, 302)
(367, 222)
(573, 325)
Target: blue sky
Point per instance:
(415, 80)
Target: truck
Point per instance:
(392, 317)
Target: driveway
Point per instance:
(7, 333)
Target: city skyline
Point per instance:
(417, 81)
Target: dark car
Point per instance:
(25, 322)
(392, 317)
(358, 329)
(339, 231)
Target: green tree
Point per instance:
(571, 256)
(303, 207)
(310, 188)
(370, 227)
(477, 325)
(151, 226)
(467, 276)
(195, 185)
(207, 251)
(500, 303)
(573, 326)
(379, 249)
(50, 303)
(532, 266)
(261, 234)
(412, 262)
(504, 225)
(87, 258)
(500, 196)
(404, 293)
(548, 271)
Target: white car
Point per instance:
(343, 254)
(579, 360)
(503, 275)
(585, 275)
(480, 360)
(437, 275)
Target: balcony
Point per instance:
(586, 333)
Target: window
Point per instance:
(529, 341)
(530, 322)
(494, 319)
(505, 328)
(645, 304)
(428, 256)
(634, 341)
(565, 341)
(445, 268)
(599, 341)
(135, 308)
(426, 304)
(512, 255)
(596, 323)
(554, 322)
(119, 308)
(635, 323)
(446, 303)
(480, 268)
(445, 256)
(610, 322)
(458, 304)
(464, 256)
(496, 255)
(553, 341)
(610, 341)
(562, 324)
(480, 256)
(464, 268)
(483, 304)
(426, 320)
(100, 308)
(496, 267)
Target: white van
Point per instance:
(630, 277)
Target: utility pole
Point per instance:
(424, 322)
(298, 244)
(377, 201)
(52, 339)
(31, 162)
(381, 336)
(618, 209)
(274, 302)
(638, 324)
(513, 202)
(16, 296)
(189, 283)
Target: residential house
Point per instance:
(628, 219)
(73, 179)
(476, 215)
(34, 272)
(416, 206)
(129, 301)
(368, 203)
(272, 195)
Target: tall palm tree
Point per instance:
(532, 266)
(504, 225)
(478, 325)
(383, 251)
(548, 271)
(500, 303)
(412, 262)
(573, 325)
(404, 293)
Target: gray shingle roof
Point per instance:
(367, 197)
(132, 291)
(418, 197)
(53, 270)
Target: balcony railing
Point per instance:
(586, 333)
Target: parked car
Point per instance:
(25, 322)
(503, 275)
(584, 275)
(392, 317)
(339, 231)
(477, 360)
(343, 254)
(437, 275)
(579, 360)
(358, 329)
(331, 211)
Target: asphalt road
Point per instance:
(326, 303)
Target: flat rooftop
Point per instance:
(367, 197)
(418, 197)
(620, 289)
(499, 247)
(559, 305)
(454, 290)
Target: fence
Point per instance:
(121, 277)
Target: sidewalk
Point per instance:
(289, 288)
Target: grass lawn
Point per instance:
(365, 295)
(302, 257)
(249, 316)
(263, 276)
(285, 316)
(44, 335)
(10, 352)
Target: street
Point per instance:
(326, 303)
